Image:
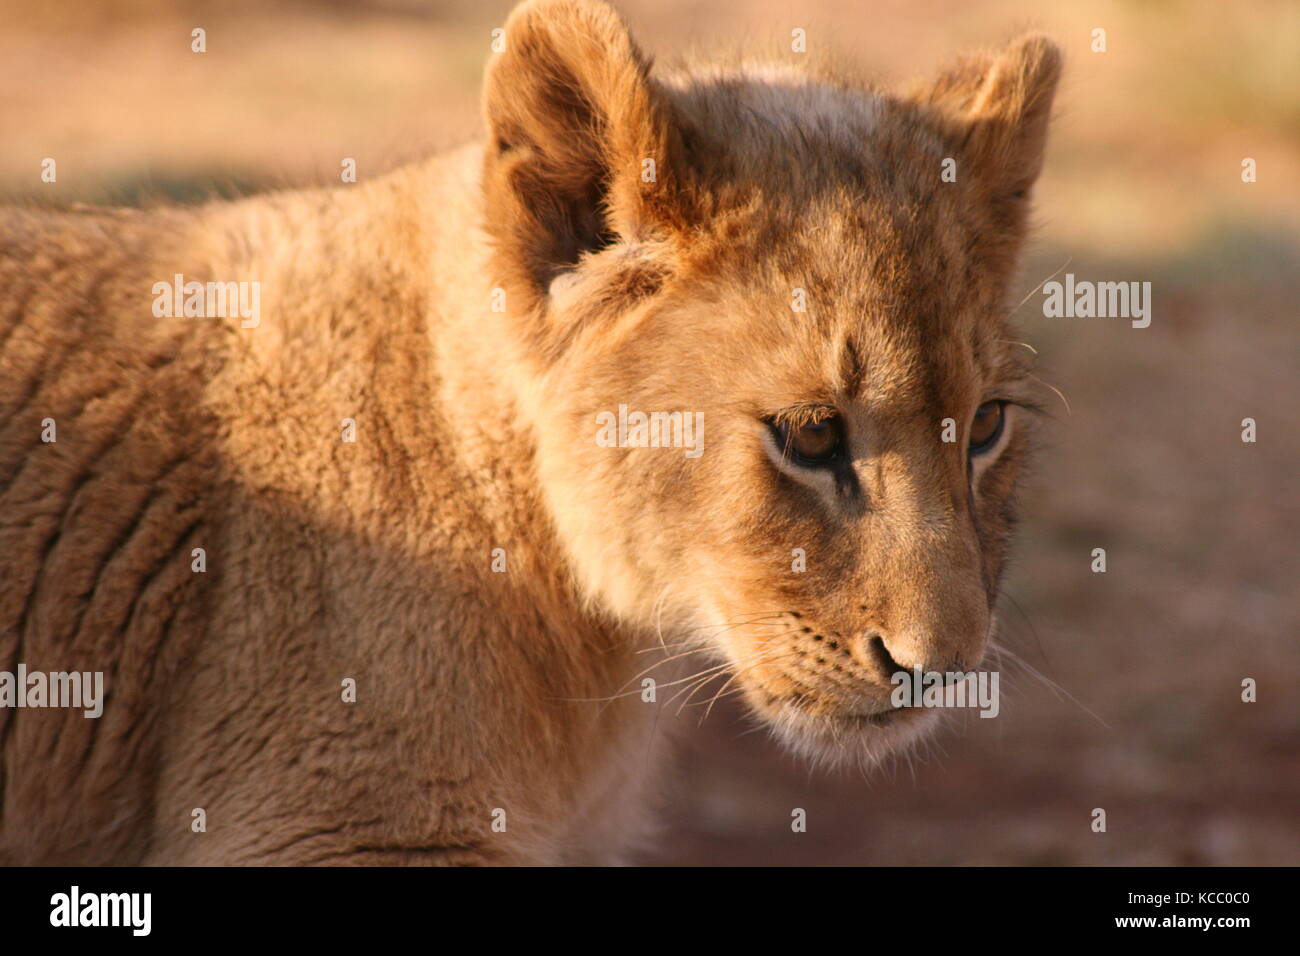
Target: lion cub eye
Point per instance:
(817, 443)
(986, 429)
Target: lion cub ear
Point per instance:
(1002, 104)
(578, 140)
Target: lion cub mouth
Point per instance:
(834, 733)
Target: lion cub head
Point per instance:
(762, 313)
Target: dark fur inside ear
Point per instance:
(572, 116)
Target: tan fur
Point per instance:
(476, 430)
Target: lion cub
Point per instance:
(715, 362)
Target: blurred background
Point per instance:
(1130, 695)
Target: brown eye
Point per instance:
(817, 443)
(986, 429)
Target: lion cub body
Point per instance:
(350, 574)
(326, 560)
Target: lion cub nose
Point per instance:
(876, 652)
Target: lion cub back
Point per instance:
(103, 489)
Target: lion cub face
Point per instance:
(776, 403)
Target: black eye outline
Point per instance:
(783, 434)
(985, 446)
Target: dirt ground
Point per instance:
(1138, 707)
